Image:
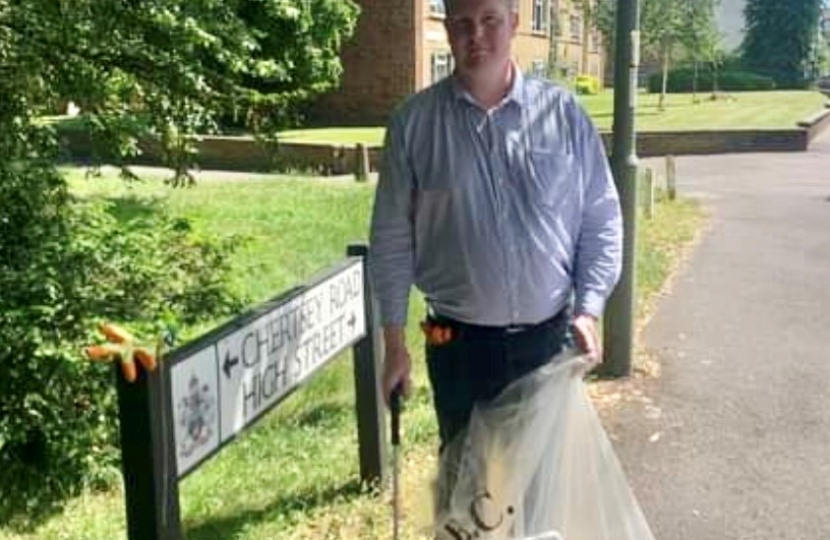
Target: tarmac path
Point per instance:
(735, 442)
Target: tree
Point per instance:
(592, 13)
(780, 36)
(175, 65)
(667, 27)
(166, 69)
(662, 26)
(605, 17)
(588, 28)
(701, 38)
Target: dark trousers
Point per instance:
(479, 362)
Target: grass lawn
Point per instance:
(750, 110)
(743, 110)
(294, 475)
(335, 135)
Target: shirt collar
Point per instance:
(515, 94)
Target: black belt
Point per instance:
(495, 331)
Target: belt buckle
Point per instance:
(515, 328)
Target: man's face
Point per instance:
(480, 34)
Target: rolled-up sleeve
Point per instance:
(599, 247)
(391, 237)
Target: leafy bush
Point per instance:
(587, 85)
(737, 81)
(682, 80)
(64, 265)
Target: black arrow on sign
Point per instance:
(352, 321)
(229, 363)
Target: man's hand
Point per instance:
(587, 337)
(397, 364)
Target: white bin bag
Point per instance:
(536, 463)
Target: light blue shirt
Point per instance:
(499, 217)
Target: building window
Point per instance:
(553, 14)
(539, 22)
(441, 65)
(539, 68)
(576, 28)
(595, 41)
(436, 7)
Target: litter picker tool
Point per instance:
(395, 409)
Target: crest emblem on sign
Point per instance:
(197, 410)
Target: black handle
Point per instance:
(395, 409)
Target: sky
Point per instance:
(731, 22)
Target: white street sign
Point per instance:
(256, 365)
(194, 386)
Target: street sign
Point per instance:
(176, 417)
(231, 380)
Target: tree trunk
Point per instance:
(694, 83)
(660, 105)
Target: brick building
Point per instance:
(400, 47)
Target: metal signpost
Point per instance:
(618, 331)
(207, 392)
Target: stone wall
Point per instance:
(817, 123)
(654, 144)
(379, 66)
(247, 154)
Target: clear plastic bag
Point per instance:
(536, 463)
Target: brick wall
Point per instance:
(570, 54)
(390, 57)
(245, 154)
(570, 46)
(528, 47)
(379, 62)
(706, 142)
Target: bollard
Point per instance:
(671, 178)
(648, 200)
(361, 170)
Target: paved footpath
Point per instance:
(742, 447)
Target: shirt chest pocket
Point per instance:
(553, 175)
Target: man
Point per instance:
(496, 201)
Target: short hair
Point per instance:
(450, 5)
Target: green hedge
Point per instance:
(587, 85)
(681, 80)
(66, 264)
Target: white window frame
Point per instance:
(437, 8)
(539, 17)
(596, 41)
(539, 68)
(443, 61)
(575, 27)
